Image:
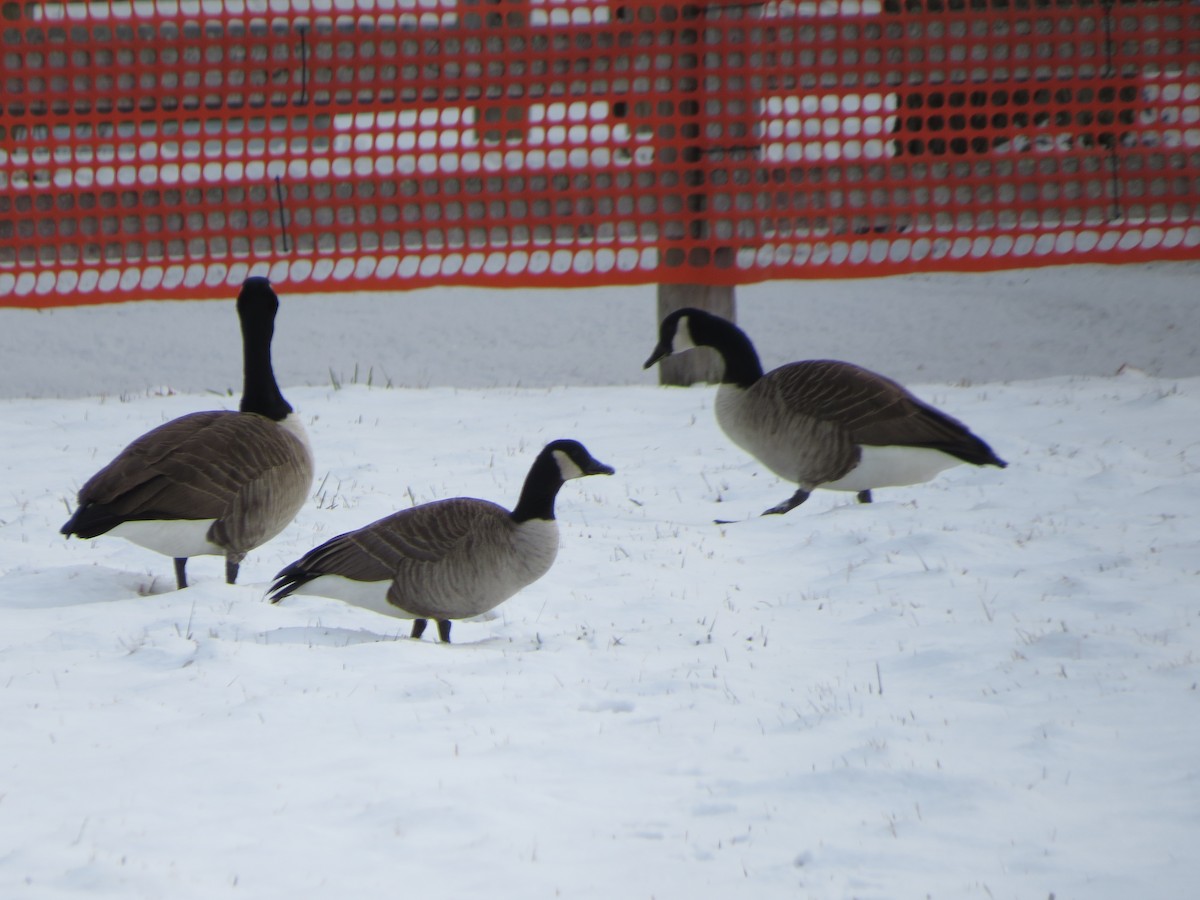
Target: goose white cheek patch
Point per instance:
(566, 466)
(683, 337)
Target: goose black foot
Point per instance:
(231, 571)
(864, 496)
(444, 630)
(181, 572)
(418, 628)
(788, 505)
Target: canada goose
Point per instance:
(822, 423)
(449, 559)
(218, 483)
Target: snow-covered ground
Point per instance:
(985, 686)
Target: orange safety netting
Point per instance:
(172, 148)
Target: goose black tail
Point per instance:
(976, 451)
(91, 520)
(959, 441)
(288, 580)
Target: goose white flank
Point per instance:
(984, 685)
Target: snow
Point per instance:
(984, 686)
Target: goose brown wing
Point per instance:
(157, 477)
(873, 409)
(198, 466)
(409, 540)
(264, 477)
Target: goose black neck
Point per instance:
(260, 392)
(741, 359)
(541, 487)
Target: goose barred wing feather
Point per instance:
(200, 466)
(873, 409)
(267, 473)
(363, 555)
(147, 478)
(411, 537)
(454, 557)
(423, 551)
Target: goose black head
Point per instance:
(257, 300)
(574, 461)
(688, 328)
(684, 329)
(559, 462)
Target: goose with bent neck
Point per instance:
(822, 423)
(210, 483)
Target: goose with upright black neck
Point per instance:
(210, 483)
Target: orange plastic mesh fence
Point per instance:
(170, 149)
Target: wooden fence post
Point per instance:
(702, 364)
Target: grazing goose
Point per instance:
(450, 559)
(822, 423)
(218, 483)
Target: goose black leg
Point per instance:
(444, 630)
(180, 572)
(231, 570)
(789, 504)
(418, 628)
(864, 496)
